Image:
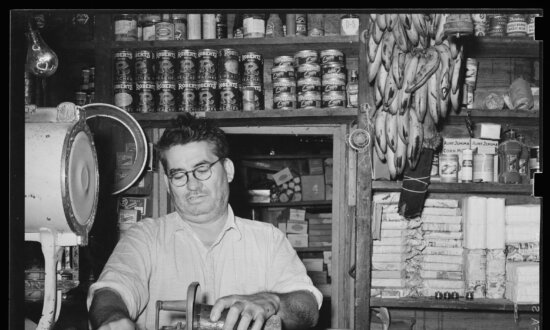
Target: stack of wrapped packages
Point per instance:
(522, 253)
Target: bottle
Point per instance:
(352, 89)
(238, 27)
(509, 152)
(349, 25)
(274, 27)
(467, 165)
(523, 164)
(290, 25)
(301, 25)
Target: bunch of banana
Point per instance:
(415, 70)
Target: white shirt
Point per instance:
(157, 259)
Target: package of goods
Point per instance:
(474, 210)
(495, 223)
(388, 265)
(437, 242)
(519, 214)
(441, 211)
(522, 282)
(456, 219)
(522, 251)
(443, 275)
(527, 232)
(495, 270)
(296, 227)
(449, 251)
(447, 227)
(388, 282)
(387, 274)
(442, 266)
(442, 258)
(443, 235)
(475, 263)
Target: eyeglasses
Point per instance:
(201, 173)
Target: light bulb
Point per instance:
(41, 59)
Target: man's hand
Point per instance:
(255, 309)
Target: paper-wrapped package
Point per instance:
(474, 210)
(526, 232)
(475, 263)
(495, 273)
(496, 222)
(443, 275)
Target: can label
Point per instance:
(123, 65)
(309, 85)
(309, 100)
(282, 72)
(144, 65)
(187, 92)
(332, 56)
(208, 59)
(164, 31)
(145, 96)
(333, 100)
(165, 60)
(333, 85)
(229, 96)
(253, 67)
(208, 96)
(228, 65)
(187, 59)
(124, 95)
(284, 101)
(283, 61)
(284, 86)
(305, 57)
(166, 96)
(309, 70)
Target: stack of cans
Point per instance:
(144, 70)
(308, 74)
(333, 79)
(187, 80)
(284, 83)
(229, 80)
(124, 80)
(165, 60)
(208, 80)
(252, 81)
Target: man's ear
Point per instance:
(229, 169)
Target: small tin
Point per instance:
(124, 65)
(126, 27)
(283, 60)
(283, 72)
(448, 167)
(228, 64)
(187, 64)
(229, 95)
(284, 86)
(208, 64)
(333, 99)
(144, 65)
(252, 68)
(332, 56)
(208, 95)
(166, 64)
(166, 96)
(305, 56)
(145, 91)
(333, 84)
(308, 85)
(309, 100)
(333, 68)
(187, 96)
(124, 95)
(284, 101)
(309, 70)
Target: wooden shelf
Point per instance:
(268, 47)
(495, 116)
(460, 304)
(322, 203)
(459, 188)
(501, 47)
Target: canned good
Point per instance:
(448, 167)
(164, 30)
(126, 27)
(333, 68)
(305, 56)
(165, 69)
(258, 95)
(208, 60)
(229, 95)
(282, 72)
(145, 91)
(332, 56)
(284, 86)
(187, 92)
(283, 60)
(144, 65)
(124, 65)
(333, 84)
(309, 100)
(284, 101)
(187, 60)
(166, 96)
(124, 95)
(252, 68)
(308, 85)
(228, 64)
(333, 99)
(208, 95)
(309, 70)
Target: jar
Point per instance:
(349, 25)
(254, 25)
(126, 27)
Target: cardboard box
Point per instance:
(298, 240)
(313, 187)
(296, 227)
(315, 166)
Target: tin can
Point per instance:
(332, 56)
(229, 95)
(309, 100)
(333, 84)
(309, 70)
(187, 64)
(164, 30)
(248, 95)
(333, 68)
(208, 62)
(305, 56)
(145, 91)
(284, 86)
(180, 26)
(123, 65)
(166, 67)
(208, 26)
(282, 72)
(228, 64)
(187, 96)
(258, 95)
(166, 96)
(126, 27)
(516, 26)
(333, 99)
(283, 61)
(284, 101)
(308, 85)
(144, 65)
(301, 25)
(208, 95)
(194, 26)
(252, 65)
(124, 95)
(80, 98)
(221, 26)
(448, 167)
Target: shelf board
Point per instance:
(268, 47)
(476, 188)
(501, 47)
(498, 116)
(460, 304)
(323, 203)
(313, 249)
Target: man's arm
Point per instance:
(108, 311)
(297, 310)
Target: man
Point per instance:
(248, 267)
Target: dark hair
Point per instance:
(191, 129)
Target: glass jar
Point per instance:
(254, 25)
(126, 27)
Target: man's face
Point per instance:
(199, 201)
